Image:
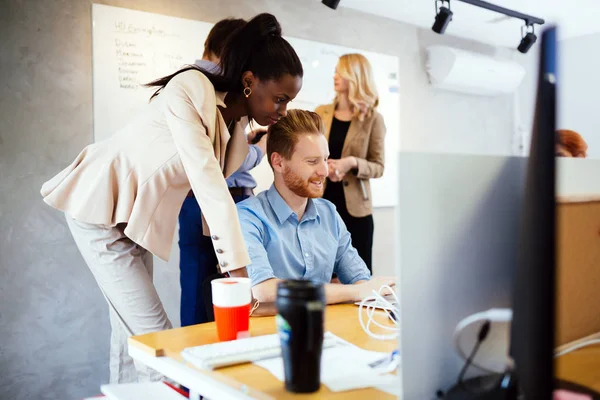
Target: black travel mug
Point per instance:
(300, 324)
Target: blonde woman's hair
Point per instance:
(283, 136)
(362, 92)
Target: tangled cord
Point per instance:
(377, 302)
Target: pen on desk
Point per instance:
(389, 359)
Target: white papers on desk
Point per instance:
(344, 367)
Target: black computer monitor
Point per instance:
(532, 341)
(533, 324)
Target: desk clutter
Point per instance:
(344, 366)
(224, 354)
(301, 354)
(348, 368)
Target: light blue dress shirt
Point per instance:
(240, 178)
(312, 249)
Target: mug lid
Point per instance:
(300, 289)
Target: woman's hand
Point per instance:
(339, 168)
(334, 175)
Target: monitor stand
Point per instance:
(487, 387)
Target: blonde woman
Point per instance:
(356, 133)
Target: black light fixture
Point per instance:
(528, 38)
(333, 4)
(443, 16)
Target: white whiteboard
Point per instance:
(134, 47)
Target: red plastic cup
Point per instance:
(232, 299)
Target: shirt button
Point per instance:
(305, 254)
(219, 251)
(224, 264)
(346, 183)
(214, 237)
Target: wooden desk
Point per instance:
(581, 367)
(163, 349)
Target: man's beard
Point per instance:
(301, 187)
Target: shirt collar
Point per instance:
(208, 66)
(283, 211)
(311, 212)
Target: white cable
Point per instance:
(376, 302)
(577, 347)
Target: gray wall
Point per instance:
(53, 324)
(53, 320)
(526, 95)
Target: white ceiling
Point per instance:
(578, 18)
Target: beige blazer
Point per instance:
(364, 140)
(142, 174)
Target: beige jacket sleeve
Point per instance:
(185, 101)
(373, 165)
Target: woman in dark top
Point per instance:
(356, 134)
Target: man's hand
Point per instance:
(365, 289)
(252, 134)
(239, 273)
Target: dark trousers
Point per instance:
(197, 261)
(361, 230)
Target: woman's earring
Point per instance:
(247, 91)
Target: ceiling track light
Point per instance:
(333, 4)
(443, 16)
(528, 38)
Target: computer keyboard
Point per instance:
(240, 351)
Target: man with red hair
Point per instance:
(570, 144)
